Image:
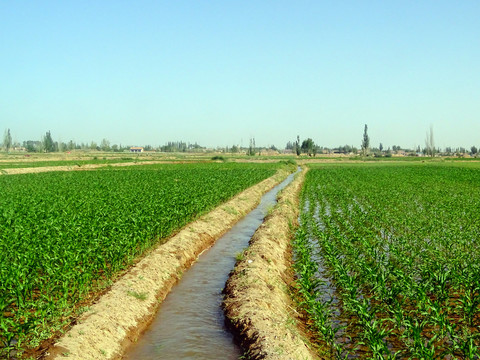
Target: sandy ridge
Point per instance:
(257, 303)
(116, 320)
(40, 169)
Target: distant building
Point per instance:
(136, 149)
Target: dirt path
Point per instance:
(34, 170)
(123, 313)
(257, 301)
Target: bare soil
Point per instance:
(40, 169)
(120, 316)
(257, 301)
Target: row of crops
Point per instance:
(64, 234)
(388, 260)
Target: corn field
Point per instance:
(64, 234)
(388, 260)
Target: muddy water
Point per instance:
(190, 321)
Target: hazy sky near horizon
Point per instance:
(220, 72)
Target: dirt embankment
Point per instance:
(117, 319)
(35, 170)
(257, 303)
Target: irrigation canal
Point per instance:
(190, 323)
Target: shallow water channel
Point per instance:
(190, 323)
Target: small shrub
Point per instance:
(288, 162)
(230, 210)
(219, 158)
(137, 295)
(240, 256)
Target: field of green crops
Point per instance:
(63, 234)
(388, 258)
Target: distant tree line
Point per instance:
(307, 147)
(178, 146)
(47, 145)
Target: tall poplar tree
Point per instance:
(7, 140)
(297, 146)
(365, 141)
(48, 144)
(430, 143)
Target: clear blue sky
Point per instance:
(220, 72)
